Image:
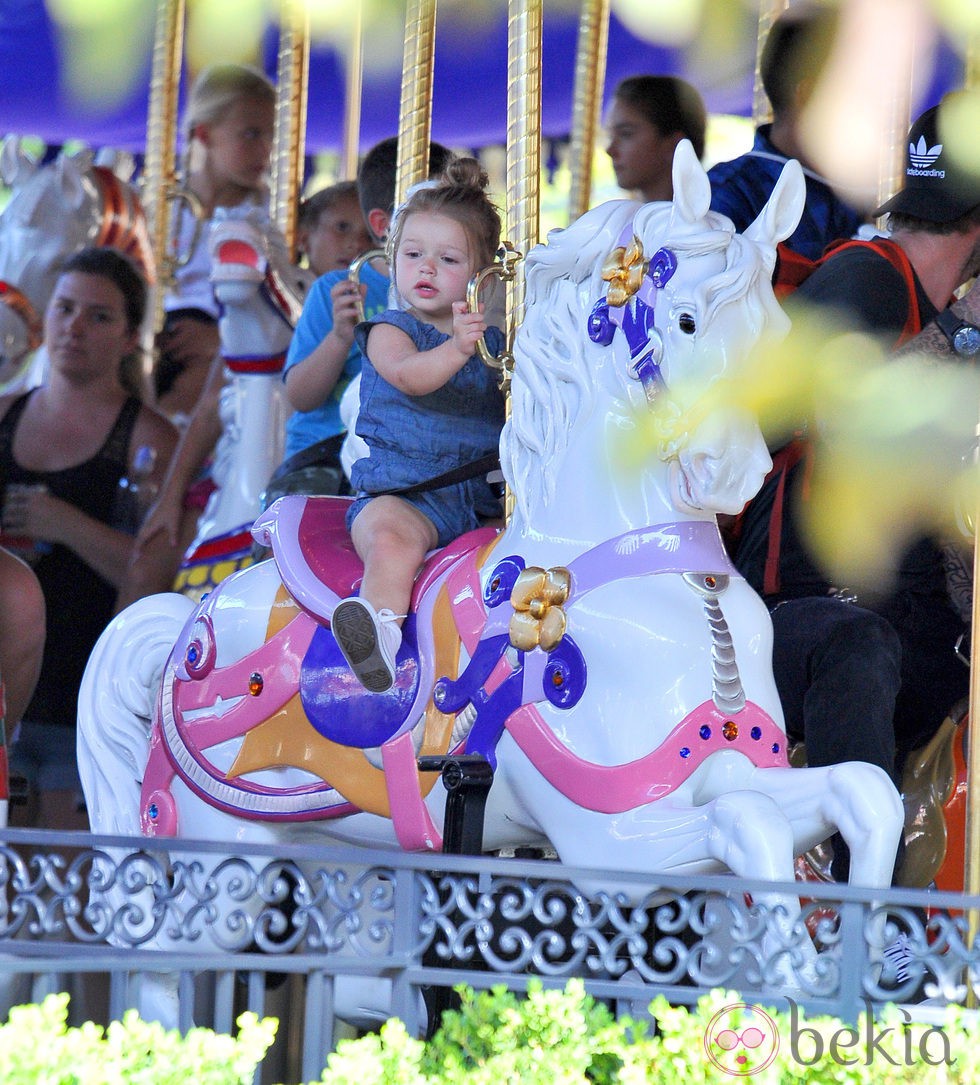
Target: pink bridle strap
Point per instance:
(614, 789)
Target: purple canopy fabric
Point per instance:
(469, 108)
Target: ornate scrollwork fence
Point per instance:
(130, 909)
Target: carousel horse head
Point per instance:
(78, 200)
(601, 654)
(260, 294)
(665, 300)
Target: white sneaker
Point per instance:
(369, 640)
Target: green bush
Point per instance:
(549, 1037)
(565, 1037)
(36, 1048)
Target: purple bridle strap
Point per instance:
(647, 551)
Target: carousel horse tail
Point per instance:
(115, 706)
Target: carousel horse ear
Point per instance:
(121, 163)
(71, 177)
(692, 189)
(781, 215)
(16, 165)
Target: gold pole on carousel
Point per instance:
(415, 114)
(292, 78)
(769, 11)
(590, 78)
(524, 22)
(160, 169)
(352, 100)
(971, 871)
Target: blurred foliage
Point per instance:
(892, 438)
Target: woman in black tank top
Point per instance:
(63, 449)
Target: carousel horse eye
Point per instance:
(687, 324)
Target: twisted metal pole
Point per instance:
(590, 78)
(971, 850)
(523, 137)
(160, 168)
(292, 79)
(352, 99)
(415, 113)
(523, 156)
(769, 11)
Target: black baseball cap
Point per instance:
(937, 187)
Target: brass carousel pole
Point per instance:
(590, 78)
(292, 77)
(523, 151)
(769, 11)
(352, 102)
(415, 114)
(160, 168)
(971, 871)
(523, 137)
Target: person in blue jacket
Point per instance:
(793, 56)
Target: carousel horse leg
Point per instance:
(855, 798)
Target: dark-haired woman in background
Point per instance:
(649, 116)
(63, 449)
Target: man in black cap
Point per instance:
(859, 678)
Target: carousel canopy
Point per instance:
(81, 70)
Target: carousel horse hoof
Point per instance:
(369, 641)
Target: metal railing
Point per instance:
(316, 935)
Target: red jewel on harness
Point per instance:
(730, 730)
(255, 683)
(710, 582)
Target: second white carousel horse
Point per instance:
(54, 210)
(261, 295)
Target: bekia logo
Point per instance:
(921, 156)
(741, 1040)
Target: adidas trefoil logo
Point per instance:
(922, 157)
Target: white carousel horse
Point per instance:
(54, 210)
(601, 652)
(261, 295)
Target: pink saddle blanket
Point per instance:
(316, 559)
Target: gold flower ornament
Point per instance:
(537, 597)
(624, 270)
